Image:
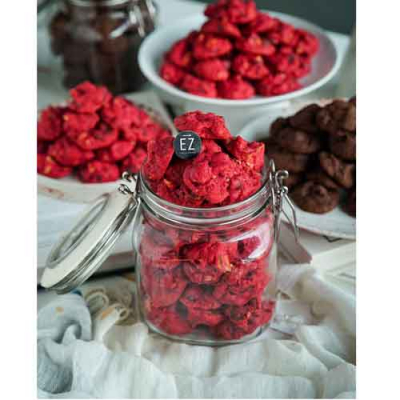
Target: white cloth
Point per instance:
(126, 361)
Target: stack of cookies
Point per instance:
(317, 146)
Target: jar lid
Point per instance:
(79, 253)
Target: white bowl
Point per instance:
(236, 112)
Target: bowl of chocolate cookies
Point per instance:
(316, 144)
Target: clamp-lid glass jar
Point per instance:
(204, 276)
(98, 41)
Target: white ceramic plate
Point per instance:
(73, 190)
(335, 223)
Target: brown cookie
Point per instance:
(298, 141)
(319, 176)
(339, 114)
(277, 126)
(305, 119)
(292, 162)
(351, 203)
(343, 144)
(293, 179)
(314, 197)
(343, 173)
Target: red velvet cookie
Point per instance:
(212, 70)
(68, 154)
(159, 155)
(98, 172)
(235, 88)
(46, 165)
(50, 123)
(198, 87)
(207, 46)
(250, 67)
(88, 98)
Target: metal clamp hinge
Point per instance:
(132, 189)
(279, 195)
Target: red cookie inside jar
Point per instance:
(236, 47)
(206, 259)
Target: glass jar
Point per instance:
(204, 275)
(99, 40)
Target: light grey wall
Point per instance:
(334, 15)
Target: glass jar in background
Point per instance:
(98, 40)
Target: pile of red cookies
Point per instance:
(317, 146)
(95, 136)
(210, 279)
(240, 52)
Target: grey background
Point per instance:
(334, 15)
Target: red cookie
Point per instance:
(276, 85)
(249, 66)
(88, 98)
(50, 123)
(180, 54)
(120, 149)
(199, 87)
(97, 138)
(171, 73)
(77, 123)
(255, 44)
(206, 125)
(221, 26)
(163, 287)
(98, 172)
(120, 113)
(243, 185)
(134, 161)
(252, 154)
(262, 23)
(210, 46)
(46, 165)
(212, 70)
(68, 154)
(198, 297)
(235, 88)
(239, 287)
(169, 320)
(159, 156)
(206, 262)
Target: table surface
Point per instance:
(50, 89)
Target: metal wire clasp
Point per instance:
(279, 194)
(132, 189)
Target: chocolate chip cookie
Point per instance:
(322, 178)
(313, 197)
(284, 159)
(343, 173)
(305, 119)
(339, 114)
(343, 144)
(298, 141)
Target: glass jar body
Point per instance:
(99, 41)
(206, 276)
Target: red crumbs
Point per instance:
(200, 279)
(238, 46)
(96, 136)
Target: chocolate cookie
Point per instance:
(322, 178)
(343, 144)
(277, 126)
(314, 197)
(292, 162)
(339, 114)
(351, 203)
(298, 141)
(305, 119)
(343, 173)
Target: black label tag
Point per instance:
(187, 145)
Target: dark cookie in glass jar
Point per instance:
(315, 198)
(343, 144)
(343, 173)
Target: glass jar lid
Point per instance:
(79, 253)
